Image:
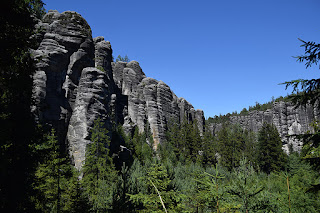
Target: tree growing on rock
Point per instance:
(124, 59)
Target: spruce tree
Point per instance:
(54, 178)
(237, 142)
(250, 146)
(209, 148)
(174, 138)
(225, 147)
(270, 154)
(99, 174)
(158, 193)
(245, 187)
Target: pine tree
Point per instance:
(99, 175)
(270, 154)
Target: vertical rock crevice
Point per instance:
(75, 82)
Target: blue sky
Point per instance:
(221, 56)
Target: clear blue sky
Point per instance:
(221, 56)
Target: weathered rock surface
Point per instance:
(65, 49)
(76, 82)
(288, 120)
(151, 101)
(92, 102)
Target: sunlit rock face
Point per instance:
(151, 101)
(288, 120)
(76, 82)
(66, 47)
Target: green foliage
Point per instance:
(250, 147)
(258, 107)
(270, 154)
(219, 119)
(211, 189)
(141, 144)
(155, 182)
(192, 142)
(288, 191)
(124, 59)
(304, 90)
(210, 148)
(100, 68)
(311, 146)
(231, 143)
(56, 181)
(245, 187)
(99, 175)
(121, 201)
(184, 140)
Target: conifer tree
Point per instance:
(99, 175)
(54, 176)
(209, 148)
(195, 145)
(190, 141)
(270, 154)
(237, 142)
(142, 145)
(156, 182)
(225, 147)
(245, 187)
(249, 149)
(174, 138)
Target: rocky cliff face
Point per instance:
(76, 82)
(151, 101)
(288, 120)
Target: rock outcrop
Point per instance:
(66, 48)
(151, 101)
(76, 82)
(288, 120)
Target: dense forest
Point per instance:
(233, 170)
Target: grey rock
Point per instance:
(66, 47)
(75, 82)
(288, 120)
(151, 101)
(92, 102)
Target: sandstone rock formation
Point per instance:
(288, 120)
(76, 82)
(151, 101)
(66, 48)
